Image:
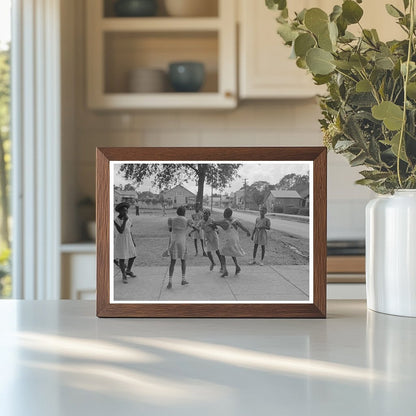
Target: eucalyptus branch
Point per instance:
(406, 79)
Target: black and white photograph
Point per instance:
(211, 232)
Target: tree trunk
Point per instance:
(4, 196)
(202, 171)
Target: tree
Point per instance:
(257, 191)
(4, 141)
(294, 182)
(167, 175)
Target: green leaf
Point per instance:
(391, 114)
(351, 11)
(384, 62)
(316, 20)
(358, 160)
(375, 35)
(287, 33)
(394, 143)
(303, 43)
(276, 4)
(374, 175)
(321, 79)
(336, 12)
(343, 145)
(363, 86)
(319, 61)
(358, 61)
(344, 65)
(301, 63)
(393, 11)
(301, 15)
(411, 90)
(325, 42)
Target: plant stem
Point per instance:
(405, 81)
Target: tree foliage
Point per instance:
(294, 182)
(168, 175)
(369, 113)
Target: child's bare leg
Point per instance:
(253, 261)
(203, 248)
(129, 266)
(211, 260)
(237, 267)
(183, 261)
(171, 269)
(122, 265)
(224, 266)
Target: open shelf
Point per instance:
(210, 9)
(116, 46)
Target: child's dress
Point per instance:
(230, 243)
(210, 234)
(196, 222)
(260, 236)
(123, 242)
(177, 247)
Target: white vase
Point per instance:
(391, 253)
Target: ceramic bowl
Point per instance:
(135, 8)
(186, 76)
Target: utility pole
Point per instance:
(245, 193)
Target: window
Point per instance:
(5, 147)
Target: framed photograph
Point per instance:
(211, 232)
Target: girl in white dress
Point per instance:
(259, 235)
(124, 246)
(211, 237)
(230, 244)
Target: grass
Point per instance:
(150, 232)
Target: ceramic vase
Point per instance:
(391, 253)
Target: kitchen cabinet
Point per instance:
(118, 45)
(265, 70)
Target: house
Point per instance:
(124, 196)
(283, 199)
(178, 196)
(304, 193)
(238, 198)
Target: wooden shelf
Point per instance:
(160, 24)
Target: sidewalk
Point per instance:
(254, 283)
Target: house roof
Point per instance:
(285, 194)
(167, 191)
(132, 194)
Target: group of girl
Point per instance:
(203, 228)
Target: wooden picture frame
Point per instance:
(110, 291)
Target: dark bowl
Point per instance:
(186, 76)
(135, 8)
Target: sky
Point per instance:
(5, 20)
(270, 172)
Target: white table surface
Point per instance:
(57, 358)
